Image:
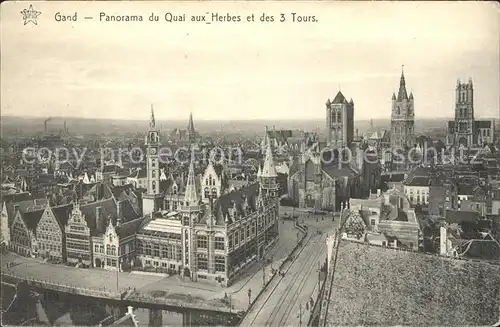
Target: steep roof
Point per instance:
(235, 199)
(129, 228)
(339, 98)
(32, 218)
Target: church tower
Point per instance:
(152, 198)
(268, 176)
(191, 132)
(339, 122)
(402, 118)
(464, 114)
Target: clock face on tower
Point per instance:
(152, 150)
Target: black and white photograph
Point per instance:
(250, 163)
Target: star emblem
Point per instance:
(30, 15)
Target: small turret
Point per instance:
(328, 103)
(411, 96)
(393, 96)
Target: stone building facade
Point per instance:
(339, 122)
(402, 118)
(464, 130)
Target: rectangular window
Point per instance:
(113, 262)
(96, 248)
(164, 265)
(202, 261)
(230, 239)
(155, 263)
(220, 264)
(248, 232)
(156, 250)
(236, 239)
(219, 243)
(373, 222)
(147, 248)
(148, 262)
(202, 241)
(139, 247)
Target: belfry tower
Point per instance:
(152, 199)
(402, 118)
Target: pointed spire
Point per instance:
(191, 195)
(152, 119)
(259, 172)
(393, 96)
(402, 95)
(191, 124)
(269, 170)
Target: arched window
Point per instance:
(153, 173)
(207, 193)
(206, 182)
(108, 249)
(153, 185)
(398, 110)
(211, 182)
(174, 189)
(113, 250)
(339, 117)
(214, 192)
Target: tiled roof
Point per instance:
(235, 199)
(32, 218)
(334, 171)
(89, 211)
(129, 228)
(460, 216)
(62, 213)
(481, 249)
(465, 189)
(417, 181)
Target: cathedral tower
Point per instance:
(339, 122)
(402, 118)
(464, 114)
(152, 198)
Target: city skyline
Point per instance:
(76, 70)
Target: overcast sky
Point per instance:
(247, 70)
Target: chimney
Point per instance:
(119, 212)
(443, 240)
(357, 134)
(99, 219)
(378, 192)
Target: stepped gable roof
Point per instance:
(129, 228)
(235, 199)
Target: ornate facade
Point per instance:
(320, 185)
(465, 130)
(402, 118)
(339, 122)
(151, 200)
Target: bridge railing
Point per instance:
(60, 287)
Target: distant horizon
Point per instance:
(221, 120)
(245, 71)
